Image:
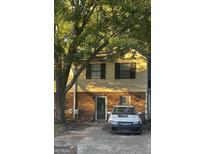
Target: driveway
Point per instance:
(95, 140)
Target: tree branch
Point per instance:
(87, 17)
(84, 65)
(77, 32)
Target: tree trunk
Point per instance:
(60, 107)
(60, 101)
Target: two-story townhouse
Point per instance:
(106, 83)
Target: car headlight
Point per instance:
(113, 122)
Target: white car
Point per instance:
(124, 119)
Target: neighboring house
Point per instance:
(106, 83)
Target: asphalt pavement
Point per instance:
(95, 140)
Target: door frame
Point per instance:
(105, 108)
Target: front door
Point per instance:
(101, 108)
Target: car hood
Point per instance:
(129, 118)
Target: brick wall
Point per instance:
(86, 102)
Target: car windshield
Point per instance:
(124, 110)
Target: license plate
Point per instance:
(123, 123)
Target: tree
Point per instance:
(83, 28)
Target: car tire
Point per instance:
(140, 131)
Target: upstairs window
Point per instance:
(125, 70)
(95, 71)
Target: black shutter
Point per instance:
(117, 71)
(103, 70)
(88, 72)
(132, 70)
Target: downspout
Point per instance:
(74, 93)
(148, 87)
(148, 105)
(146, 96)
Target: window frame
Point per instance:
(95, 70)
(122, 72)
(125, 70)
(126, 103)
(101, 71)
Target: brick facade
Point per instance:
(86, 102)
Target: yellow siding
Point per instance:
(110, 84)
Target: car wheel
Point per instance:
(139, 133)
